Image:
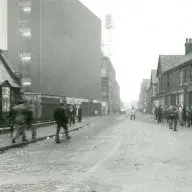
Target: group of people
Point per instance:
(21, 119)
(174, 115)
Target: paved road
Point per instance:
(107, 156)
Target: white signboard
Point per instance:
(5, 99)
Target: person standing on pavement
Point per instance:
(74, 113)
(79, 114)
(132, 113)
(155, 111)
(61, 118)
(171, 117)
(20, 116)
(188, 116)
(29, 122)
(11, 120)
(176, 117)
(70, 113)
(180, 115)
(184, 116)
(159, 114)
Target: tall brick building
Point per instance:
(56, 45)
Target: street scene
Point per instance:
(95, 96)
(111, 154)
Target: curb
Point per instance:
(17, 145)
(37, 125)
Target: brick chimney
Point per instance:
(188, 46)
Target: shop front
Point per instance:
(9, 96)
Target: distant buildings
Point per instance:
(110, 90)
(173, 82)
(143, 94)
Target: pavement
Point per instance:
(42, 133)
(108, 155)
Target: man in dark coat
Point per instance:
(159, 114)
(184, 115)
(70, 114)
(29, 122)
(11, 120)
(61, 118)
(79, 114)
(20, 116)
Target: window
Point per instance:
(185, 75)
(168, 81)
(25, 57)
(181, 77)
(5, 99)
(25, 6)
(25, 32)
(190, 72)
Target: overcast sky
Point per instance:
(143, 30)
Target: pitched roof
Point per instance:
(7, 72)
(153, 76)
(184, 59)
(169, 61)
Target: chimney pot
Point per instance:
(188, 46)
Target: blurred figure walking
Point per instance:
(61, 118)
(29, 122)
(20, 116)
(79, 114)
(132, 113)
(159, 114)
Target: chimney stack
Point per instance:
(188, 46)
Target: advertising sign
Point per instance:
(5, 99)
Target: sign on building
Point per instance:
(5, 99)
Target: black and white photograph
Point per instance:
(95, 96)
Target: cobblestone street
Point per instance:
(108, 156)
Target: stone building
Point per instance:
(174, 74)
(152, 91)
(143, 95)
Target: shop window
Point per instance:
(5, 99)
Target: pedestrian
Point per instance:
(159, 114)
(11, 120)
(20, 116)
(171, 117)
(188, 116)
(176, 117)
(74, 113)
(132, 113)
(155, 111)
(29, 122)
(191, 114)
(184, 116)
(61, 118)
(79, 114)
(180, 115)
(70, 114)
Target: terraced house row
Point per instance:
(172, 84)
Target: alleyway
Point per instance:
(107, 156)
